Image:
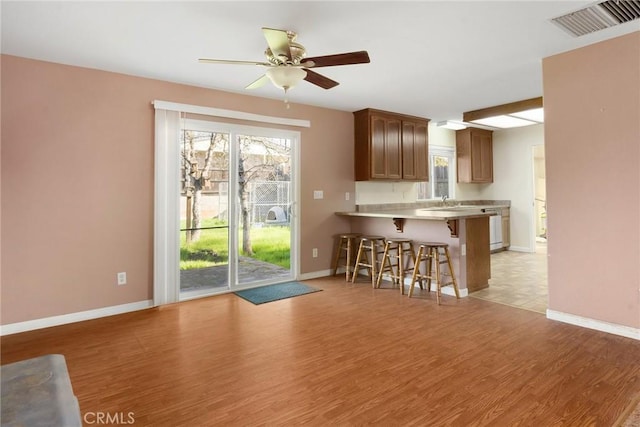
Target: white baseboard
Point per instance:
(316, 274)
(598, 325)
(448, 290)
(30, 325)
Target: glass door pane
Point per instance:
(204, 212)
(265, 197)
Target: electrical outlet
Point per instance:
(346, 195)
(315, 252)
(122, 278)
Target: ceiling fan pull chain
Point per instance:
(286, 100)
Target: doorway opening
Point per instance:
(540, 201)
(519, 279)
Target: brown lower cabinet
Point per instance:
(390, 146)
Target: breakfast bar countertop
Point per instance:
(436, 214)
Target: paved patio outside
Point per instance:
(249, 270)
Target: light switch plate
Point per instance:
(318, 194)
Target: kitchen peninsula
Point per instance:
(464, 228)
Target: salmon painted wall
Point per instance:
(592, 143)
(77, 183)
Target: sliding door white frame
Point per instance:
(166, 287)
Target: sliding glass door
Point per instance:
(264, 213)
(204, 210)
(237, 193)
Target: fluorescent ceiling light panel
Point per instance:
(520, 113)
(535, 114)
(504, 122)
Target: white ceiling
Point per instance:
(434, 59)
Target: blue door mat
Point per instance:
(277, 292)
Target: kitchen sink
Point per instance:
(452, 208)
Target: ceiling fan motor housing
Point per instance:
(297, 52)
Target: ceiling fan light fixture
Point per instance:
(286, 77)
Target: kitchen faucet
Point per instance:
(444, 198)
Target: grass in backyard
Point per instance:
(270, 244)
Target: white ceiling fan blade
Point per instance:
(228, 61)
(258, 83)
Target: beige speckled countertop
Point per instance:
(437, 214)
(430, 210)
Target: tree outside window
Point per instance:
(441, 178)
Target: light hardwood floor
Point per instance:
(349, 355)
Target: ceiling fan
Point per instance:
(287, 63)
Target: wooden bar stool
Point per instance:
(346, 245)
(430, 252)
(368, 253)
(397, 252)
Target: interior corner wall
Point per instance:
(592, 144)
(77, 183)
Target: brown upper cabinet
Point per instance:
(390, 146)
(474, 155)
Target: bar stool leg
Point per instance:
(438, 277)
(385, 260)
(336, 257)
(416, 270)
(374, 258)
(356, 269)
(429, 268)
(348, 262)
(413, 262)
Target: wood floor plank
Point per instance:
(349, 355)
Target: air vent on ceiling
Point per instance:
(599, 16)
